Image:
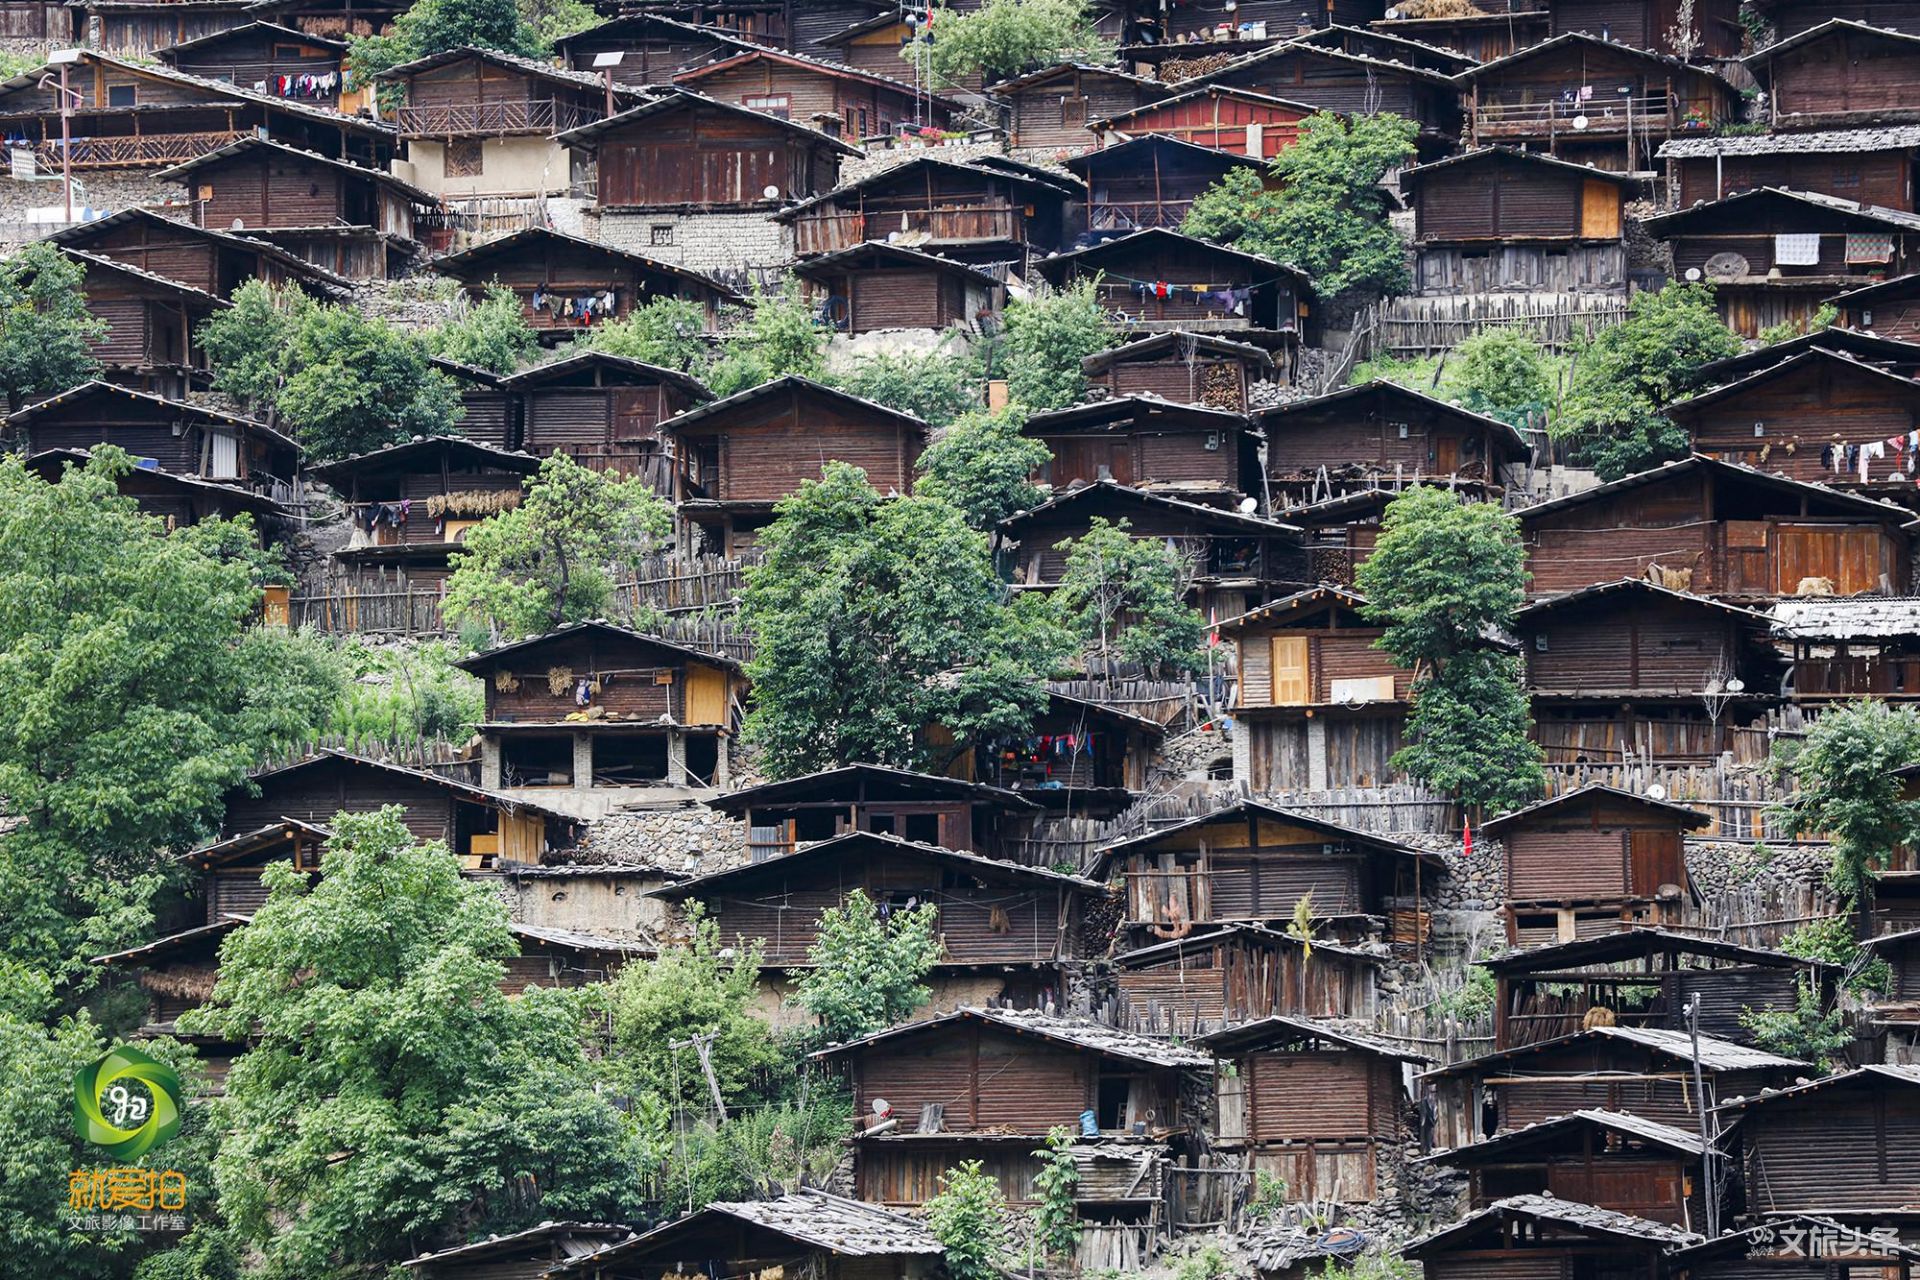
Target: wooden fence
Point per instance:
(1429, 326)
(399, 606)
(1740, 801)
(1401, 808)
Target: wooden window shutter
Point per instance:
(1291, 687)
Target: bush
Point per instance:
(1047, 336)
(969, 1218)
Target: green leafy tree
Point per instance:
(405, 693)
(1847, 789)
(1056, 1218)
(1824, 318)
(706, 986)
(246, 345)
(1047, 335)
(984, 466)
(669, 332)
(754, 1155)
(40, 1051)
(936, 387)
(1806, 1031)
(1628, 372)
(1504, 374)
(552, 559)
(1002, 38)
(1327, 212)
(873, 619)
(969, 1219)
(432, 26)
(136, 694)
(781, 336)
(1124, 600)
(46, 332)
(342, 380)
(869, 968)
(394, 1098)
(493, 334)
(1443, 577)
(1833, 941)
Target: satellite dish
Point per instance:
(1656, 792)
(1249, 505)
(771, 192)
(1580, 123)
(1693, 274)
(1736, 685)
(1727, 265)
(882, 1108)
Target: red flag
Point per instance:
(1213, 626)
(1466, 850)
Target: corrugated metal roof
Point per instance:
(1664, 1135)
(1570, 1213)
(814, 1218)
(1081, 1033)
(1890, 138)
(1852, 618)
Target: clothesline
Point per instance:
(1845, 459)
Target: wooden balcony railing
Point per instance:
(130, 152)
(545, 115)
(1123, 216)
(825, 232)
(1604, 116)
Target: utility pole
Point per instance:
(1707, 1170)
(702, 1047)
(64, 59)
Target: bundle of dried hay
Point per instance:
(1437, 9)
(186, 983)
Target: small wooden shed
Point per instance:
(1048, 110)
(1188, 368)
(921, 807)
(736, 457)
(1317, 1104)
(1645, 979)
(567, 284)
(593, 704)
(848, 102)
(603, 411)
(962, 209)
(876, 286)
(1543, 1235)
(1206, 980)
(1890, 308)
(1612, 1160)
(1848, 1143)
(215, 262)
(1499, 218)
(1842, 72)
(1591, 860)
(273, 59)
(1364, 437)
(1158, 279)
(1202, 453)
(1253, 127)
(1139, 181)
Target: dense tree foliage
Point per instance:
(492, 334)
(553, 558)
(394, 1098)
(1504, 374)
(405, 693)
(706, 985)
(1326, 212)
(936, 387)
(870, 966)
(1847, 789)
(136, 694)
(342, 380)
(46, 332)
(780, 336)
(1630, 371)
(433, 26)
(1047, 335)
(983, 465)
(1444, 579)
(669, 332)
(1002, 38)
(1124, 600)
(873, 619)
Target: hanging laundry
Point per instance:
(1796, 249)
(1869, 247)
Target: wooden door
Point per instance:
(1446, 455)
(1599, 210)
(1291, 684)
(523, 838)
(1654, 859)
(706, 695)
